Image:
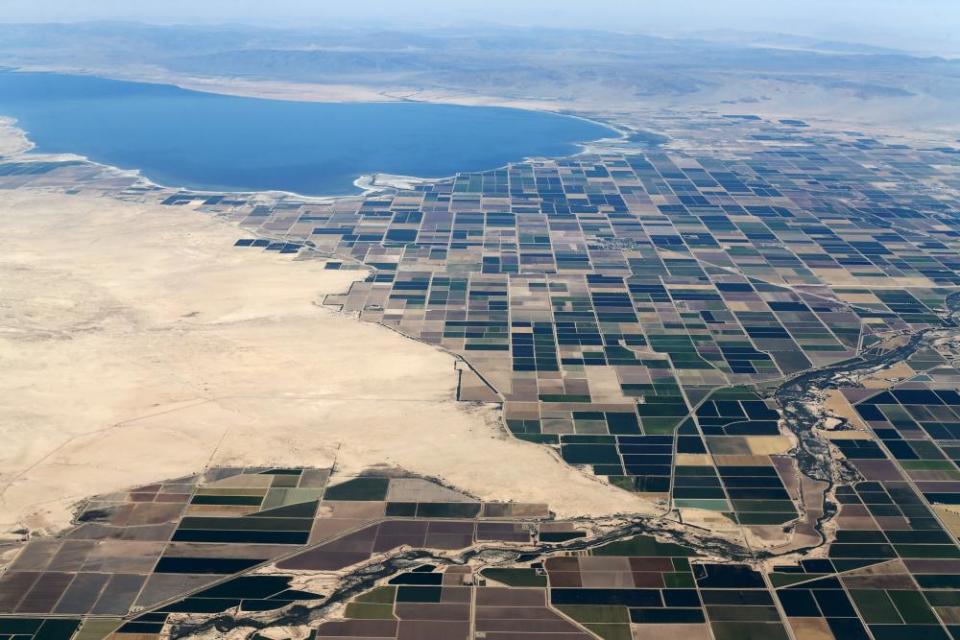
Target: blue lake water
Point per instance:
(204, 141)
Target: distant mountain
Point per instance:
(574, 67)
(788, 41)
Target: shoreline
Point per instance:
(293, 91)
(368, 184)
(15, 143)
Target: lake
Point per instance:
(204, 141)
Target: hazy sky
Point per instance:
(916, 24)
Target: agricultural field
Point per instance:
(756, 337)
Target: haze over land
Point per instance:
(920, 25)
(553, 68)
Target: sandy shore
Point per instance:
(307, 91)
(915, 119)
(137, 344)
(13, 140)
(333, 92)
